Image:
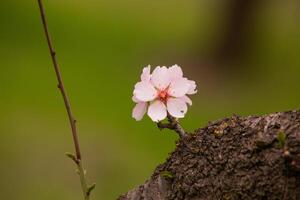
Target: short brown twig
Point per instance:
(172, 124)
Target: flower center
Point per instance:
(163, 95)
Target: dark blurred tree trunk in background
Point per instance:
(237, 30)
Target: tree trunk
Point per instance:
(233, 158)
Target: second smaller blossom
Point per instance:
(162, 92)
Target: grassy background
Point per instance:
(102, 47)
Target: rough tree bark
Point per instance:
(233, 158)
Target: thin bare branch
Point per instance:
(60, 82)
(77, 159)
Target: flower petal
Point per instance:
(146, 74)
(135, 100)
(175, 72)
(179, 87)
(139, 111)
(176, 107)
(186, 99)
(160, 78)
(144, 91)
(157, 111)
(192, 88)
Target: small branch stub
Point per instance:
(90, 188)
(72, 157)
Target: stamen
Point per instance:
(163, 95)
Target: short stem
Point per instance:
(172, 125)
(177, 126)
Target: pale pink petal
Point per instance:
(157, 111)
(139, 111)
(179, 87)
(144, 91)
(186, 99)
(176, 107)
(135, 100)
(192, 88)
(160, 78)
(146, 74)
(175, 72)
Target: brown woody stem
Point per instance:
(77, 159)
(172, 125)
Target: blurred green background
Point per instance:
(245, 59)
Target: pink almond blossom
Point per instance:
(162, 92)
